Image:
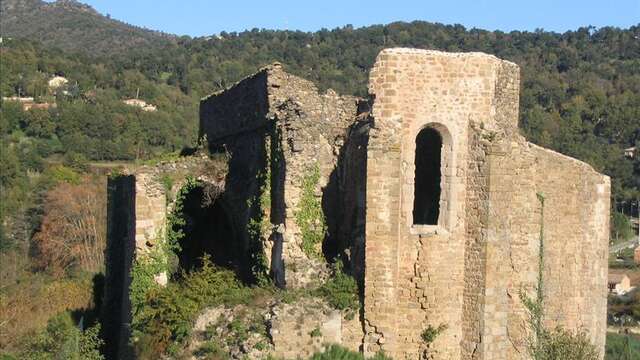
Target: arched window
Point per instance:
(426, 200)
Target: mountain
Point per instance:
(73, 26)
(580, 89)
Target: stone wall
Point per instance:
(300, 329)
(467, 271)
(294, 128)
(312, 128)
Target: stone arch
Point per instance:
(432, 171)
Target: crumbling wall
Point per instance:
(465, 272)
(351, 175)
(312, 128)
(309, 325)
(235, 121)
(138, 204)
(278, 126)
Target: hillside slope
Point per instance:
(73, 26)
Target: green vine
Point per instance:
(430, 334)
(309, 217)
(552, 343)
(157, 261)
(536, 306)
(259, 226)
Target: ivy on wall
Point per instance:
(259, 225)
(309, 217)
(157, 260)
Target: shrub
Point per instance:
(337, 352)
(26, 307)
(166, 318)
(62, 339)
(341, 290)
(316, 332)
(559, 343)
(211, 350)
(429, 334)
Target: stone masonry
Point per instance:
(465, 271)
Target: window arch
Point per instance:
(428, 177)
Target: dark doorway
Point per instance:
(426, 201)
(208, 229)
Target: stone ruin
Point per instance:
(428, 192)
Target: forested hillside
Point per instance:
(580, 90)
(71, 25)
(580, 96)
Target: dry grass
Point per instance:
(26, 306)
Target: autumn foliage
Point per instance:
(72, 235)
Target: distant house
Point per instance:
(619, 284)
(57, 82)
(141, 104)
(43, 106)
(18, 99)
(636, 255)
(29, 103)
(630, 152)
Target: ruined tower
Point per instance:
(426, 191)
(466, 265)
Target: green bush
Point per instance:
(62, 339)
(337, 352)
(559, 343)
(429, 334)
(621, 229)
(212, 350)
(166, 318)
(341, 290)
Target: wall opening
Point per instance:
(428, 175)
(208, 229)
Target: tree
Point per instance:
(73, 230)
(621, 229)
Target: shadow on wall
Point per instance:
(278, 168)
(116, 306)
(344, 200)
(209, 229)
(426, 201)
(239, 215)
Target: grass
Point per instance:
(622, 347)
(26, 306)
(337, 352)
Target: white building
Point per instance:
(141, 104)
(57, 82)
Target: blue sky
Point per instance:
(199, 17)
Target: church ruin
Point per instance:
(426, 191)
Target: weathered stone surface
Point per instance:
(307, 326)
(466, 270)
(288, 330)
